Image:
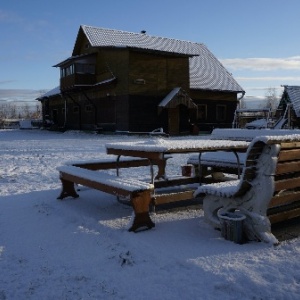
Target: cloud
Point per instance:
(9, 17)
(20, 95)
(6, 81)
(263, 64)
(269, 78)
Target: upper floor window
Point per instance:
(78, 68)
(85, 68)
(66, 71)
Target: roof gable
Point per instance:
(206, 71)
(174, 98)
(293, 94)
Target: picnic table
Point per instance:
(142, 194)
(159, 150)
(268, 190)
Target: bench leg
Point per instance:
(140, 202)
(68, 189)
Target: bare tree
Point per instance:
(272, 98)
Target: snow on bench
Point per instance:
(110, 163)
(268, 191)
(140, 192)
(119, 183)
(227, 161)
(248, 134)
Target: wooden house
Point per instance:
(289, 107)
(124, 81)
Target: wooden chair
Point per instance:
(267, 192)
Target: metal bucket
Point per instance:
(232, 226)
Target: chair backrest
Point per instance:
(261, 160)
(250, 168)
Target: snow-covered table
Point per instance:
(141, 194)
(158, 149)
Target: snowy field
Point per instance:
(81, 249)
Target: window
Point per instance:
(85, 68)
(221, 112)
(202, 112)
(88, 108)
(69, 70)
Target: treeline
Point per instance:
(20, 111)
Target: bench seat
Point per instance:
(140, 192)
(115, 182)
(221, 189)
(110, 163)
(218, 159)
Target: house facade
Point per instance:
(289, 106)
(123, 81)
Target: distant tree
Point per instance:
(30, 112)
(272, 98)
(12, 111)
(37, 114)
(2, 111)
(26, 114)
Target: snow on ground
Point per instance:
(81, 249)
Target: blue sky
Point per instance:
(257, 41)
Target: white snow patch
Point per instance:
(80, 249)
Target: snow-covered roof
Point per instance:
(175, 97)
(53, 92)
(169, 97)
(293, 93)
(206, 71)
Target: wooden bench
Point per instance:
(110, 163)
(225, 162)
(139, 192)
(118, 163)
(267, 192)
(172, 189)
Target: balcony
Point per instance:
(78, 79)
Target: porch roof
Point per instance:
(176, 97)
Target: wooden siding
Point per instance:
(114, 62)
(212, 99)
(156, 75)
(143, 113)
(70, 81)
(213, 95)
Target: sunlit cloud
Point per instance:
(20, 95)
(269, 78)
(263, 64)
